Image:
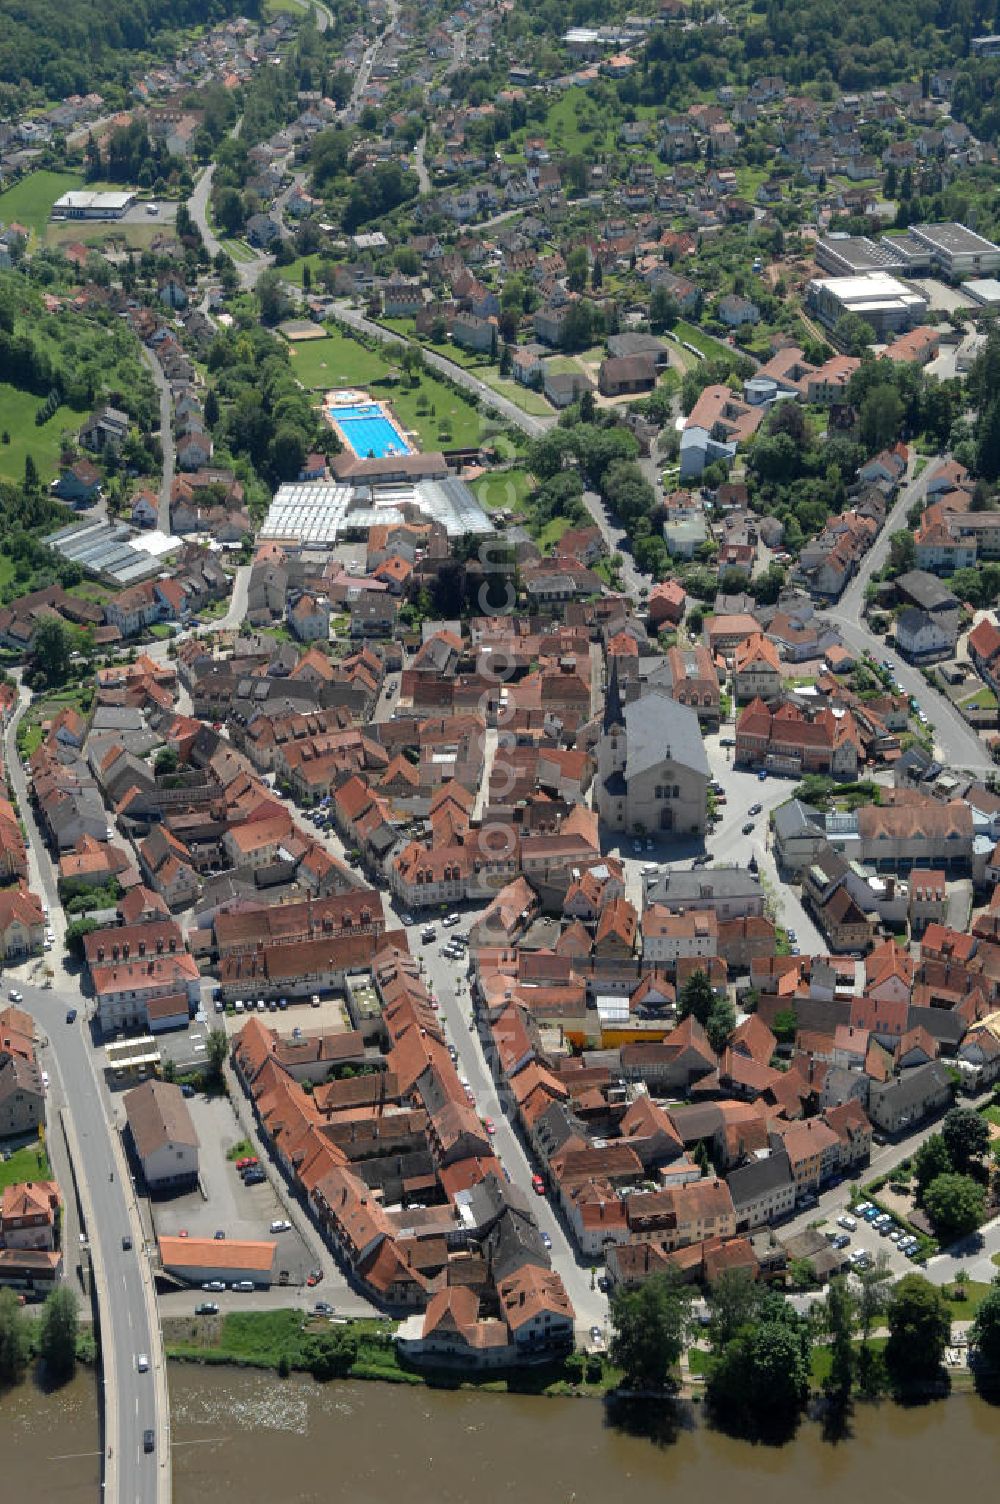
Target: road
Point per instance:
(957, 745)
(166, 437)
(420, 165)
(451, 989)
(132, 1401)
(617, 542)
(509, 411)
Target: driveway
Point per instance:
(243, 1212)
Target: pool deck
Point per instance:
(341, 398)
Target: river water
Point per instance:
(243, 1437)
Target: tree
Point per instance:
(216, 1050)
(166, 761)
(75, 933)
(576, 268)
(696, 998)
(51, 649)
(14, 1343)
(902, 552)
(956, 1205)
(874, 1285)
(733, 1303)
(988, 441)
(274, 304)
(720, 1024)
(649, 1326)
(761, 1382)
(853, 333)
(880, 418)
(984, 1339)
(785, 1025)
(331, 1354)
(663, 309)
(840, 1313)
(967, 1138)
(57, 1340)
(930, 1160)
(919, 1330)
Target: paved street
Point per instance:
(450, 986)
(166, 436)
(956, 743)
(133, 1401)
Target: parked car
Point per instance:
(848, 1222)
(323, 1308)
(71, 1015)
(206, 1308)
(538, 1185)
(546, 1240)
(213, 1284)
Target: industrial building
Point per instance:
(888, 304)
(113, 551)
(316, 514)
(950, 249)
(84, 203)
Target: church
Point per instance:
(652, 769)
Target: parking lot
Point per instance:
(329, 1018)
(228, 1206)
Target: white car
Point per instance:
(281, 1226)
(142, 1363)
(45, 1079)
(15, 996)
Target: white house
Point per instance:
(162, 1135)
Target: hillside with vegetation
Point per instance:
(66, 47)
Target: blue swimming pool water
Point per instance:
(369, 432)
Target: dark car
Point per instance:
(71, 1015)
(748, 828)
(755, 809)
(187, 1090)
(126, 1243)
(206, 1308)
(148, 1439)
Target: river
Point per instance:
(243, 1437)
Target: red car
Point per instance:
(538, 1185)
(312, 1280)
(183, 1233)
(490, 1126)
(241, 1164)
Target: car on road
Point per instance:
(406, 919)
(755, 809)
(142, 1362)
(71, 1015)
(148, 1439)
(323, 1308)
(220, 1235)
(254, 1177)
(213, 1284)
(538, 1185)
(450, 920)
(546, 1240)
(126, 1243)
(15, 996)
(490, 1126)
(281, 1225)
(702, 860)
(206, 1308)
(762, 775)
(748, 828)
(313, 1279)
(727, 741)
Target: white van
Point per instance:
(238, 1005)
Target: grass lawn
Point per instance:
(506, 490)
(553, 530)
(17, 418)
(337, 361)
(532, 403)
(975, 1291)
(454, 423)
(293, 272)
(6, 572)
(983, 699)
(712, 348)
(29, 202)
(91, 590)
(29, 1163)
(261, 1339)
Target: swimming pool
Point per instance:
(368, 431)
